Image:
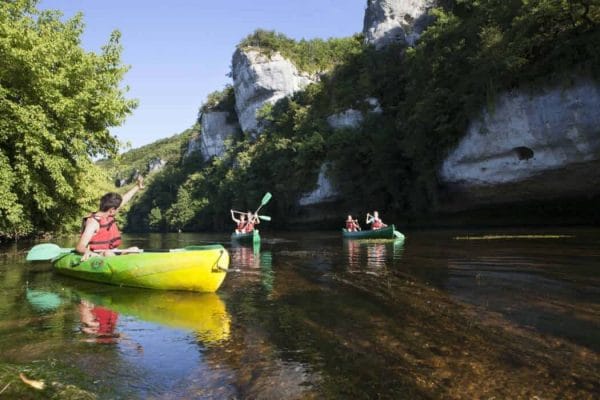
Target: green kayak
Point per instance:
(389, 232)
(195, 268)
(246, 238)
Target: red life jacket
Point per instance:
(377, 224)
(108, 235)
(249, 227)
(241, 225)
(350, 225)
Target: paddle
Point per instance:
(46, 251)
(263, 217)
(49, 251)
(264, 201)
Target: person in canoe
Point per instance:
(251, 220)
(241, 222)
(100, 234)
(375, 221)
(352, 224)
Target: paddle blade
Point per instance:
(264, 217)
(398, 235)
(265, 199)
(45, 251)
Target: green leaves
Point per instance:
(57, 103)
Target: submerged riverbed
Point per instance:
(444, 314)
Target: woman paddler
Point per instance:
(241, 223)
(252, 219)
(375, 221)
(352, 224)
(100, 234)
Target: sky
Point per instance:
(180, 50)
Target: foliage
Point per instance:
(220, 100)
(124, 166)
(316, 55)
(57, 103)
(473, 51)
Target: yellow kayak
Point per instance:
(194, 268)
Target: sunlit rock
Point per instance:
(346, 119)
(260, 79)
(217, 127)
(156, 164)
(527, 134)
(325, 191)
(396, 21)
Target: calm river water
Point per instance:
(310, 316)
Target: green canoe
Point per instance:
(195, 268)
(246, 238)
(388, 232)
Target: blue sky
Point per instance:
(180, 50)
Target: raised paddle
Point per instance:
(264, 201)
(263, 217)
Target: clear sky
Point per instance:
(180, 50)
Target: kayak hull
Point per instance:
(383, 233)
(246, 238)
(201, 269)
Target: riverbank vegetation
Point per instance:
(57, 103)
(474, 51)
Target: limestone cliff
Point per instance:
(395, 21)
(260, 78)
(217, 127)
(325, 191)
(537, 145)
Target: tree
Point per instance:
(182, 211)
(155, 219)
(57, 103)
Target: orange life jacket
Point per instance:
(108, 235)
(377, 224)
(350, 226)
(241, 225)
(249, 227)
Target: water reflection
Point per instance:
(203, 313)
(374, 254)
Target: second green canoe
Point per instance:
(389, 232)
(246, 238)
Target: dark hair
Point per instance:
(110, 200)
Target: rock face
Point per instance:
(346, 119)
(351, 118)
(259, 79)
(548, 143)
(156, 164)
(217, 127)
(395, 21)
(325, 191)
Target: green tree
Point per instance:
(57, 103)
(182, 211)
(155, 219)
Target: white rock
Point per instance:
(325, 191)
(259, 79)
(216, 129)
(346, 119)
(525, 135)
(395, 21)
(156, 164)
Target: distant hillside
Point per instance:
(140, 159)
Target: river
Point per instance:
(444, 314)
